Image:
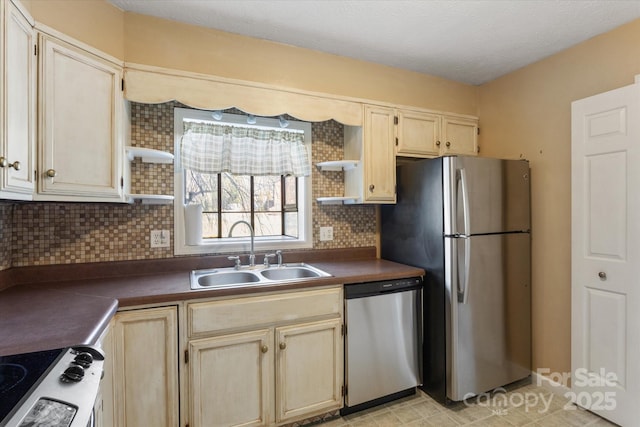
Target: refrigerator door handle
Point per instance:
(465, 201)
(463, 291)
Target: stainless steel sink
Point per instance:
(225, 278)
(290, 272)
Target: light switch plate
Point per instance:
(326, 234)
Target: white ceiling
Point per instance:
(470, 41)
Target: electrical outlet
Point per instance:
(160, 238)
(326, 233)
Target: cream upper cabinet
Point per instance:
(145, 368)
(264, 360)
(418, 134)
(18, 89)
(80, 124)
(459, 136)
(422, 134)
(373, 179)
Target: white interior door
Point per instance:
(605, 341)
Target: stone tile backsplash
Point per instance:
(38, 233)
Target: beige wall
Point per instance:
(154, 41)
(94, 22)
(528, 114)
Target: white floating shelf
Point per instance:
(337, 165)
(149, 155)
(338, 200)
(150, 199)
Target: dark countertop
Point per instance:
(75, 309)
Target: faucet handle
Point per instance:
(266, 259)
(235, 258)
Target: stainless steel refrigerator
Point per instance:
(466, 221)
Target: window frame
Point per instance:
(238, 244)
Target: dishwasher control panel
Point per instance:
(358, 290)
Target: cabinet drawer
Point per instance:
(237, 313)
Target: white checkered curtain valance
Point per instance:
(215, 148)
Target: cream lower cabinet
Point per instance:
(144, 346)
(265, 360)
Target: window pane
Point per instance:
(210, 225)
(241, 230)
(291, 224)
(236, 193)
(267, 193)
(202, 189)
(268, 224)
(290, 191)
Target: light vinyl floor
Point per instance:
(528, 405)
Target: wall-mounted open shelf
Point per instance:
(338, 200)
(149, 155)
(150, 199)
(337, 165)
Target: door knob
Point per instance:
(4, 163)
(264, 349)
(371, 187)
(438, 143)
(283, 345)
(448, 144)
(602, 275)
(51, 173)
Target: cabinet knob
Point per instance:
(372, 187)
(283, 345)
(448, 144)
(51, 173)
(602, 275)
(438, 143)
(264, 349)
(4, 163)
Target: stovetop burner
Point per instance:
(20, 373)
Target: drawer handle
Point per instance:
(602, 275)
(264, 349)
(51, 173)
(438, 143)
(283, 345)
(448, 144)
(372, 187)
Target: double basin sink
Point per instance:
(225, 278)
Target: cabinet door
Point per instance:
(18, 108)
(146, 367)
(231, 378)
(379, 155)
(460, 136)
(418, 134)
(309, 369)
(104, 416)
(80, 118)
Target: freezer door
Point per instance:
(488, 313)
(485, 195)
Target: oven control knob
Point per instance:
(73, 373)
(83, 359)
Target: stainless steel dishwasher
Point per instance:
(382, 344)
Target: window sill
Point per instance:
(224, 245)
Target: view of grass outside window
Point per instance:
(278, 207)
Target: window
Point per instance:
(208, 204)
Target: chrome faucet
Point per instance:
(252, 255)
